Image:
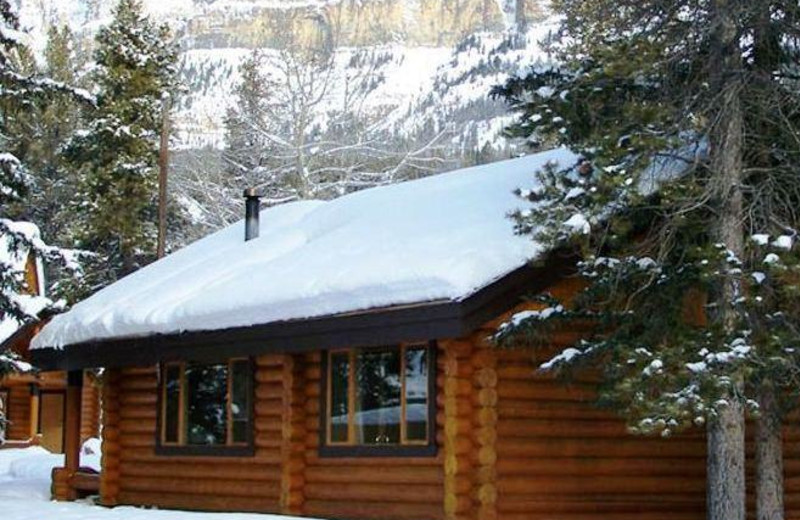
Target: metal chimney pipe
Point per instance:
(252, 204)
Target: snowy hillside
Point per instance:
(438, 58)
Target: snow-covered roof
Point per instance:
(440, 238)
(16, 260)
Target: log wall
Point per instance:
(386, 488)
(286, 474)
(90, 408)
(19, 413)
(513, 444)
(204, 483)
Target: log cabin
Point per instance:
(337, 363)
(33, 401)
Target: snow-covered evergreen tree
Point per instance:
(19, 239)
(685, 210)
(117, 152)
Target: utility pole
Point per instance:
(163, 166)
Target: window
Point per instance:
(379, 401)
(206, 406)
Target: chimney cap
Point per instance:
(251, 193)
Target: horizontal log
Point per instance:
(568, 467)
(268, 439)
(138, 399)
(312, 389)
(137, 371)
(268, 424)
(486, 378)
(138, 384)
(457, 504)
(531, 409)
(384, 474)
(133, 426)
(608, 485)
(509, 429)
(546, 391)
(371, 510)
(454, 406)
(269, 391)
(137, 440)
(455, 426)
(370, 492)
(631, 447)
(270, 360)
(222, 471)
(270, 375)
(136, 413)
(201, 486)
(485, 397)
(347, 463)
(603, 506)
(193, 501)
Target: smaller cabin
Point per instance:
(34, 401)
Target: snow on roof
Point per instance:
(432, 239)
(16, 260)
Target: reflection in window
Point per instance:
(379, 396)
(206, 415)
(377, 417)
(340, 406)
(206, 404)
(416, 379)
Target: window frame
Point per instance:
(229, 449)
(413, 448)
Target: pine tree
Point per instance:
(117, 152)
(685, 211)
(22, 93)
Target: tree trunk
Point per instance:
(726, 491)
(726, 441)
(769, 457)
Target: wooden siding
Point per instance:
(19, 413)
(560, 457)
(513, 445)
(90, 408)
(138, 476)
(386, 488)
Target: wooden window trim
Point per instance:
(229, 449)
(426, 448)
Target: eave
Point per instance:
(382, 326)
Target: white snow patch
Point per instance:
(760, 239)
(783, 242)
(578, 224)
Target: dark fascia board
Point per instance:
(424, 322)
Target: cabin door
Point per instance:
(51, 421)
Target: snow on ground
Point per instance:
(440, 238)
(25, 473)
(25, 492)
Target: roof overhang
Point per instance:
(381, 326)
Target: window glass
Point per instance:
(172, 395)
(340, 370)
(378, 390)
(206, 406)
(240, 400)
(416, 376)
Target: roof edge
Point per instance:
(404, 323)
